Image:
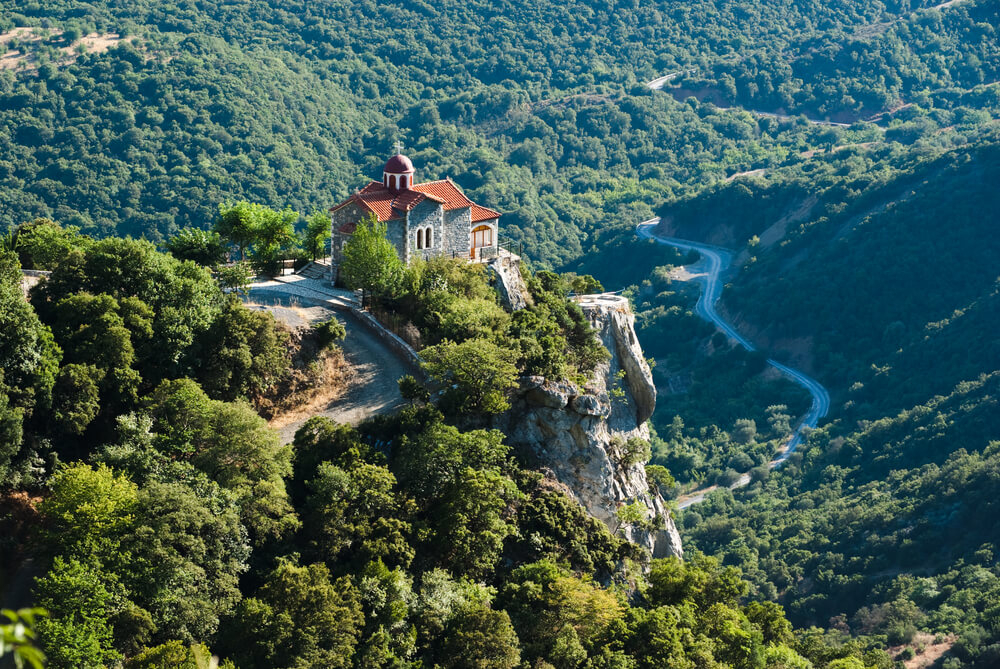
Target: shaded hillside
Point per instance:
(896, 265)
(882, 530)
(888, 274)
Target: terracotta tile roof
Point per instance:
(387, 205)
(483, 214)
(447, 192)
(408, 199)
(376, 198)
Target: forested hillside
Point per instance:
(157, 519)
(144, 490)
(873, 267)
(870, 69)
(535, 108)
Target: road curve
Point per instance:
(719, 260)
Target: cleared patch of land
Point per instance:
(28, 43)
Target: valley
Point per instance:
(718, 262)
(777, 446)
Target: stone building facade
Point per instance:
(422, 219)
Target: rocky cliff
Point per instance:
(579, 436)
(506, 270)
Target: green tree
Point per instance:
(202, 247)
(92, 331)
(479, 637)
(370, 262)
(458, 627)
(477, 375)
(75, 398)
(29, 356)
(661, 480)
(744, 431)
(274, 236)
(87, 513)
(11, 435)
(174, 655)
(700, 579)
(300, 618)
(317, 232)
(233, 445)
(543, 598)
(434, 459)
(43, 244)
(330, 332)
(245, 353)
(779, 421)
(193, 541)
(78, 632)
(237, 222)
(354, 514)
(412, 390)
(235, 277)
(183, 297)
(388, 637)
(321, 440)
(473, 521)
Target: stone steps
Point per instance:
(319, 269)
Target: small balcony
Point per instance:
(507, 248)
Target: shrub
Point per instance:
(330, 332)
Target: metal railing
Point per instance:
(510, 246)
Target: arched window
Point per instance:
(420, 239)
(482, 236)
(429, 238)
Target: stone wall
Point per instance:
(458, 226)
(349, 213)
(427, 213)
(395, 232)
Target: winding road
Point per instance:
(719, 260)
(376, 367)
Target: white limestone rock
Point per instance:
(510, 283)
(576, 435)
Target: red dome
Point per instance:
(398, 164)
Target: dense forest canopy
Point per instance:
(525, 104)
(172, 521)
(878, 264)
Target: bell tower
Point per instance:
(397, 175)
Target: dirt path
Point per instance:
(376, 367)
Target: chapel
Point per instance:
(422, 219)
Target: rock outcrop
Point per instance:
(579, 436)
(509, 283)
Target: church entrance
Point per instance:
(481, 236)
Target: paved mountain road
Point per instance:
(719, 260)
(376, 367)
